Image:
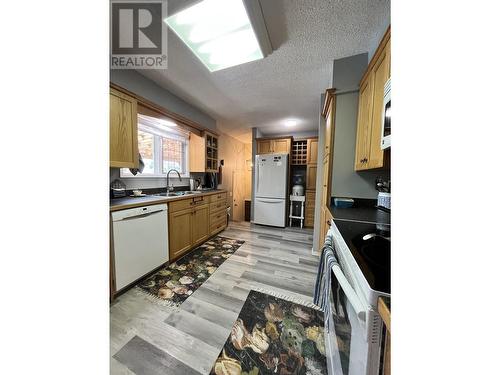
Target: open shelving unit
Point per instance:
(212, 156)
(299, 152)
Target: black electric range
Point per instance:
(371, 247)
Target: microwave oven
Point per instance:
(385, 140)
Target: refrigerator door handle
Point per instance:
(268, 201)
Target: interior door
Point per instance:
(238, 204)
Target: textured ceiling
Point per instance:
(307, 36)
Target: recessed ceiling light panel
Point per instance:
(218, 32)
(290, 122)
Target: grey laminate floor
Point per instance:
(147, 338)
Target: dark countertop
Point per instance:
(149, 199)
(363, 211)
(116, 204)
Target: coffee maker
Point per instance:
(210, 180)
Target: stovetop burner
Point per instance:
(371, 247)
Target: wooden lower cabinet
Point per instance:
(193, 220)
(199, 224)
(179, 232)
(309, 211)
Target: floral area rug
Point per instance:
(274, 336)
(173, 284)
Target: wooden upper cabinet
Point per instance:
(123, 149)
(282, 146)
(369, 154)
(312, 151)
(380, 75)
(264, 146)
(311, 176)
(363, 133)
(203, 153)
(196, 153)
(276, 145)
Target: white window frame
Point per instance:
(158, 158)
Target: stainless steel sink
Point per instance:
(176, 193)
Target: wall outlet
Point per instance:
(230, 193)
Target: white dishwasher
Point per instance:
(140, 242)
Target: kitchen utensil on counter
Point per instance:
(384, 200)
(343, 202)
(382, 186)
(210, 180)
(118, 189)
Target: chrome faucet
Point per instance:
(169, 188)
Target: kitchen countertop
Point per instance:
(117, 204)
(363, 213)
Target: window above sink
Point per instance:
(163, 146)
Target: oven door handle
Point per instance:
(349, 292)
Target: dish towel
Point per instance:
(134, 171)
(323, 280)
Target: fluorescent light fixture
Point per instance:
(218, 32)
(166, 123)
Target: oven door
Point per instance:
(346, 337)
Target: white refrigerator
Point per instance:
(271, 189)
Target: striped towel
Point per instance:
(323, 280)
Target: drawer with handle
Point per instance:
(217, 215)
(217, 225)
(183, 204)
(218, 197)
(216, 206)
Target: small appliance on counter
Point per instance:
(384, 193)
(210, 181)
(118, 189)
(343, 202)
(385, 139)
(298, 185)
